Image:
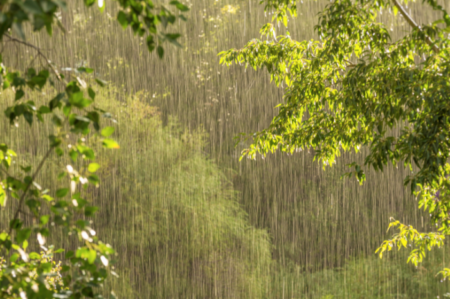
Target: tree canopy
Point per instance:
(352, 87)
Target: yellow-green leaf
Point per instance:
(93, 167)
(2, 197)
(110, 143)
(106, 132)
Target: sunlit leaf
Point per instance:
(62, 192)
(93, 167)
(110, 143)
(107, 131)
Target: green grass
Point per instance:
(365, 277)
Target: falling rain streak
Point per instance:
(187, 219)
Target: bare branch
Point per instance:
(38, 50)
(414, 25)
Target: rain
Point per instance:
(186, 216)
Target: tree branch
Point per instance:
(414, 25)
(38, 50)
(16, 214)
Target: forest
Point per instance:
(224, 149)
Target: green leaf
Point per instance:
(70, 254)
(90, 211)
(91, 93)
(88, 292)
(172, 38)
(173, 35)
(61, 175)
(100, 82)
(108, 131)
(34, 256)
(395, 10)
(44, 219)
(44, 110)
(28, 117)
(123, 20)
(3, 236)
(93, 179)
(80, 202)
(85, 70)
(15, 224)
(92, 256)
(45, 267)
(77, 99)
(67, 109)
(93, 167)
(62, 192)
(33, 204)
(150, 43)
(56, 101)
(19, 94)
(73, 155)
(14, 257)
(89, 2)
(59, 151)
(102, 6)
(57, 120)
(160, 52)
(32, 7)
(109, 143)
(23, 235)
(87, 152)
(38, 80)
(179, 5)
(2, 196)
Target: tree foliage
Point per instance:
(24, 271)
(352, 87)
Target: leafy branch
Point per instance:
(33, 177)
(332, 106)
(39, 52)
(85, 269)
(413, 24)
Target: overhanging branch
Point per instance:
(414, 25)
(39, 52)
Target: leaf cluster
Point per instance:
(353, 86)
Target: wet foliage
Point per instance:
(184, 216)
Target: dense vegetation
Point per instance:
(185, 218)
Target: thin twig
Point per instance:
(414, 25)
(16, 214)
